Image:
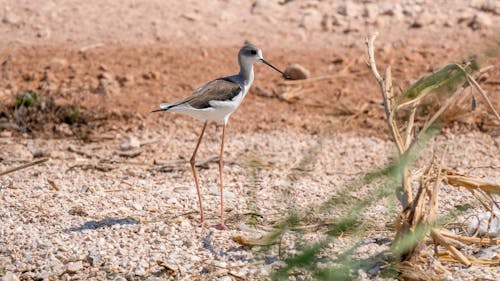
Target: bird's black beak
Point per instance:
(273, 67)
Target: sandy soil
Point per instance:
(93, 212)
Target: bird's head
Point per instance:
(249, 54)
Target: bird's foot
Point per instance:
(221, 226)
(204, 224)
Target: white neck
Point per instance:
(246, 71)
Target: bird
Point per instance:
(216, 101)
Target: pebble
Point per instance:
(130, 143)
(480, 21)
(350, 9)
(39, 152)
(296, 72)
(57, 63)
(64, 129)
(74, 267)
(11, 18)
(5, 134)
(9, 276)
(482, 225)
(125, 80)
(225, 278)
(312, 19)
(94, 258)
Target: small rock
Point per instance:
(225, 278)
(130, 153)
(74, 267)
(151, 75)
(5, 134)
(39, 152)
(57, 63)
(296, 72)
(11, 18)
(480, 21)
(130, 143)
(424, 19)
(78, 211)
(488, 253)
(9, 276)
(139, 271)
(126, 80)
(312, 20)
(219, 264)
(486, 5)
(105, 76)
(64, 129)
(263, 6)
(94, 258)
(350, 9)
(164, 231)
(482, 225)
(44, 275)
(191, 16)
(371, 11)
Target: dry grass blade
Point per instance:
(475, 240)
(441, 240)
(24, 166)
(264, 241)
(413, 272)
(460, 180)
(385, 94)
(53, 185)
(482, 92)
(447, 256)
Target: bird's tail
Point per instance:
(164, 107)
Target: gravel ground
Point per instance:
(122, 205)
(106, 216)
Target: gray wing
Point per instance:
(220, 90)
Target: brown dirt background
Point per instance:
(116, 61)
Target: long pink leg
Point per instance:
(221, 185)
(193, 168)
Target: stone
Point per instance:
(11, 18)
(130, 143)
(94, 258)
(480, 21)
(263, 7)
(125, 80)
(39, 152)
(296, 72)
(424, 19)
(74, 267)
(5, 134)
(482, 225)
(486, 5)
(57, 63)
(65, 129)
(9, 276)
(312, 19)
(350, 9)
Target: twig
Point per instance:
(383, 84)
(36, 162)
(482, 92)
(440, 239)
(457, 179)
(475, 240)
(409, 129)
(441, 110)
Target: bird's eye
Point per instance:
(253, 52)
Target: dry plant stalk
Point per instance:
(422, 210)
(24, 166)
